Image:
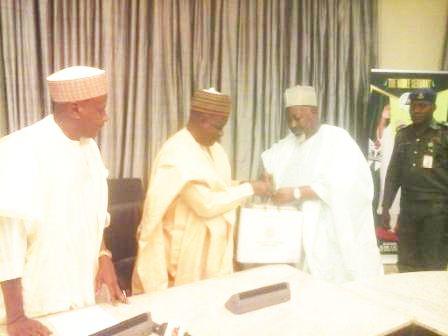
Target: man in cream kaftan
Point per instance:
(189, 214)
(53, 207)
(54, 190)
(326, 168)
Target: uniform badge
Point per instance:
(427, 161)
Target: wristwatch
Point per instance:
(296, 193)
(105, 252)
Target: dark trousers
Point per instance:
(423, 236)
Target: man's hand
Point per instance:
(24, 326)
(377, 144)
(106, 274)
(17, 324)
(268, 178)
(283, 196)
(262, 188)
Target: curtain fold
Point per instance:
(3, 106)
(445, 50)
(156, 53)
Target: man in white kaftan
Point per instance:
(53, 206)
(322, 168)
(188, 220)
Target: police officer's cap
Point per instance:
(427, 95)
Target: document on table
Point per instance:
(269, 235)
(82, 322)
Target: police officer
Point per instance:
(419, 165)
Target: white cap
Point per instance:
(77, 83)
(212, 90)
(300, 95)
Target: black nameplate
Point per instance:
(140, 325)
(259, 298)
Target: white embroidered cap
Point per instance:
(77, 83)
(300, 95)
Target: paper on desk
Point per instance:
(269, 235)
(82, 322)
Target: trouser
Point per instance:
(423, 236)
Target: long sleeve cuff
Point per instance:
(208, 203)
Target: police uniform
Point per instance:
(419, 165)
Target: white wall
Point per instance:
(411, 33)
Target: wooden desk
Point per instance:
(316, 308)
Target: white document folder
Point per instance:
(269, 235)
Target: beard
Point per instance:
(297, 132)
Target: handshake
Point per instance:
(265, 187)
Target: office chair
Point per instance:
(125, 207)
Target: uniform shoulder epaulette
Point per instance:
(401, 133)
(401, 129)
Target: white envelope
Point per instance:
(269, 235)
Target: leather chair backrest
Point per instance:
(125, 208)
